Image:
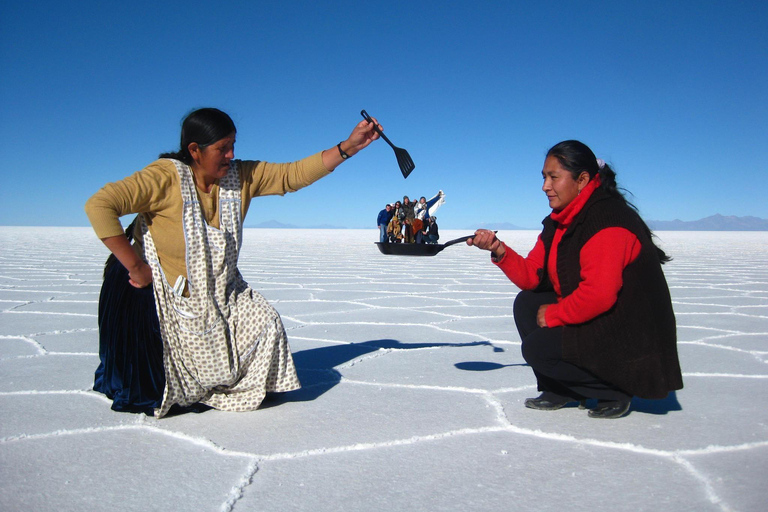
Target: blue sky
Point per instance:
(673, 94)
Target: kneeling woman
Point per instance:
(595, 315)
(177, 322)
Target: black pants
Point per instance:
(543, 351)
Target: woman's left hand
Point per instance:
(541, 316)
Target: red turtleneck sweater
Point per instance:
(602, 259)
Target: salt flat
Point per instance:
(412, 398)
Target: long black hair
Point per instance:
(576, 157)
(204, 126)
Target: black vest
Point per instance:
(634, 344)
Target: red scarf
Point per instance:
(564, 218)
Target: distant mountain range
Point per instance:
(496, 226)
(273, 224)
(716, 222)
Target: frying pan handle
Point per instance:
(375, 127)
(457, 240)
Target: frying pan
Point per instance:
(418, 249)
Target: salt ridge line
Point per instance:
(247, 479)
(56, 313)
(83, 392)
(384, 324)
(237, 491)
(754, 353)
(720, 313)
(38, 346)
(379, 307)
(709, 490)
(726, 375)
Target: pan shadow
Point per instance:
(484, 366)
(317, 372)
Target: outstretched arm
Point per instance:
(362, 135)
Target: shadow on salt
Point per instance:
(317, 371)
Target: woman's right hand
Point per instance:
(139, 273)
(141, 276)
(486, 239)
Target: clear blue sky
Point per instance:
(673, 94)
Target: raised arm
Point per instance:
(362, 135)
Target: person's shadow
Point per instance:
(662, 406)
(316, 367)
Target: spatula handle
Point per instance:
(376, 127)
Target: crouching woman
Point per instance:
(594, 315)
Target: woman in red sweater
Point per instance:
(595, 315)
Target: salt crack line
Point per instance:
(676, 457)
(716, 313)
(236, 493)
(728, 332)
(32, 290)
(390, 324)
(374, 355)
(48, 354)
(64, 331)
(140, 425)
(32, 392)
(709, 490)
(383, 444)
(672, 456)
(41, 351)
(495, 403)
(716, 449)
(322, 340)
(59, 313)
(514, 390)
(725, 347)
(459, 389)
(729, 375)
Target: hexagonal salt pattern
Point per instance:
(412, 398)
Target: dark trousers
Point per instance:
(543, 351)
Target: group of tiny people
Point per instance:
(410, 222)
(179, 328)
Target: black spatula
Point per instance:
(403, 158)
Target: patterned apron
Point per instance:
(224, 345)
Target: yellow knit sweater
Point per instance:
(156, 192)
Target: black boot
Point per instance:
(547, 401)
(610, 410)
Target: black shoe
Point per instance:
(547, 402)
(610, 410)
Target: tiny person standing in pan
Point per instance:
(594, 315)
(178, 325)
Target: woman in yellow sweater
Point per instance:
(199, 334)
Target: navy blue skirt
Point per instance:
(131, 370)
